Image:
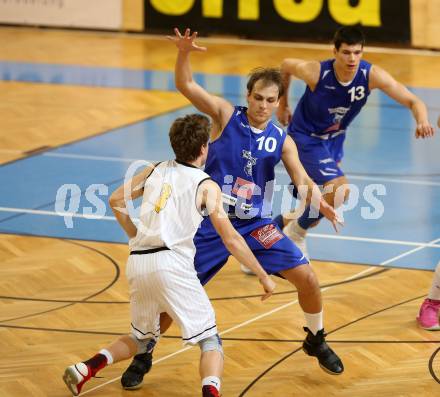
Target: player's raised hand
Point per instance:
(268, 286)
(330, 213)
(284, 114)
(186, 42)
(424, 130)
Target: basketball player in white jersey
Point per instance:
(160, 268)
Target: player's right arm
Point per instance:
(209, 197)
(307, 71)
(131, 190)
(218, 108)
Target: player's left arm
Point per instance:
(129, 191)
(209, 196)
(307, 189)
(381, 79)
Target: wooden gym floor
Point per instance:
(63, 299)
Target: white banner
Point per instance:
(95, 14)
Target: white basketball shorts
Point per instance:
(165, 282)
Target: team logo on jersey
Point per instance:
(251, 161)
(165, 194)
(338, 114)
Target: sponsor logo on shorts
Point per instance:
(267, 235)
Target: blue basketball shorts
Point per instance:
(269, 244)
(320, 158)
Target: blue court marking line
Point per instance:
(100, 145)
(222, 84)
(371, 119)
(113, 77)
(315, 235)
(279, 169)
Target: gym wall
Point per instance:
(402, 22)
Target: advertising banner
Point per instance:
(381, 20)
(95, 14)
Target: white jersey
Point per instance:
(169, 216)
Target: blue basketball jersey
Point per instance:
(242, 161)
(327, 111)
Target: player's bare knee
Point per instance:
(211, 343)
(143, 345)
(308, 284)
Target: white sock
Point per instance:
(211, 381)
(314, 322)
(434, 293)
(108, 355)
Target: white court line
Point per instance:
(394, 180)
(275, 310)
(372, 240)
(314, 235)
(395, 258)
(190, 347)
(54, 213)
(281, 170)
(278, 169)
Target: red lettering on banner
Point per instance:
(267, 235)
(243, 188)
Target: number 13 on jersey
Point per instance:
(356, 93)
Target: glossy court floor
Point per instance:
(78, 108)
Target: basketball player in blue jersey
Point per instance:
(336, 91)
(245, 147)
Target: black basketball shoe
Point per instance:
(315, 345)
(134, 375)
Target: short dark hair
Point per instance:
(268, 76)
(349, 35)
(187, 136)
